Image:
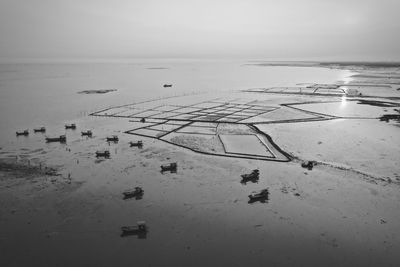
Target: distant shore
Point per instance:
(350, 65)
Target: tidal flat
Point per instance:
(63, 206)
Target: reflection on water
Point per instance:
(140, 235)
(348, 77)
(343, 102)
(261, 200)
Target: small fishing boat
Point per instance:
(263, 194)
(138, 144)
(253, 177)
(140, 229)
(137, 192)
(61, 139)
(113, 138)
(167, 85)
(70, 126)
(87, 133)
(24, 132)
(104, 153)
(41, 129)
(143, 120)
(308, 164)
(170, 167)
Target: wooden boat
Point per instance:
(24, 132)
(263, 194)
(70, 126)
(138, 144)
(253, 176)
(87, 133)
(388, 117)
(308, 164)
(170, 167)
(137, 192)
(140, 229)
(113, 138)
(167, 85)
(40, 130)
(104, 153)
(61, 139)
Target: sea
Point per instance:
(34, 94)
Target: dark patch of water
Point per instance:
(377, 103)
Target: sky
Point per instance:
(252, 29)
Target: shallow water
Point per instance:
(47, 94)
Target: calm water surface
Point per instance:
(46, 94)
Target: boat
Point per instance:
(24, 132)
(41, 129)
(70, 126)
(143, 120)
(263, 194)
(170, 167)
(61, 139)
(137, 192)
(113, 138)
(140, 229)
(104, 153)
(308, 164)
(167, 85)
(253, 177)
(138, 144)
(388, 117)
(87, 133)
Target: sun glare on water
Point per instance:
(343, 102)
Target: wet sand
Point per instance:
(343, 212)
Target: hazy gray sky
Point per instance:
(338, 29)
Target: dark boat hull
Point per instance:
(50, 140)
(134, 230)
(87, 134)
(138, 144)
(103, 154)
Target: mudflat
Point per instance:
(63, 206)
